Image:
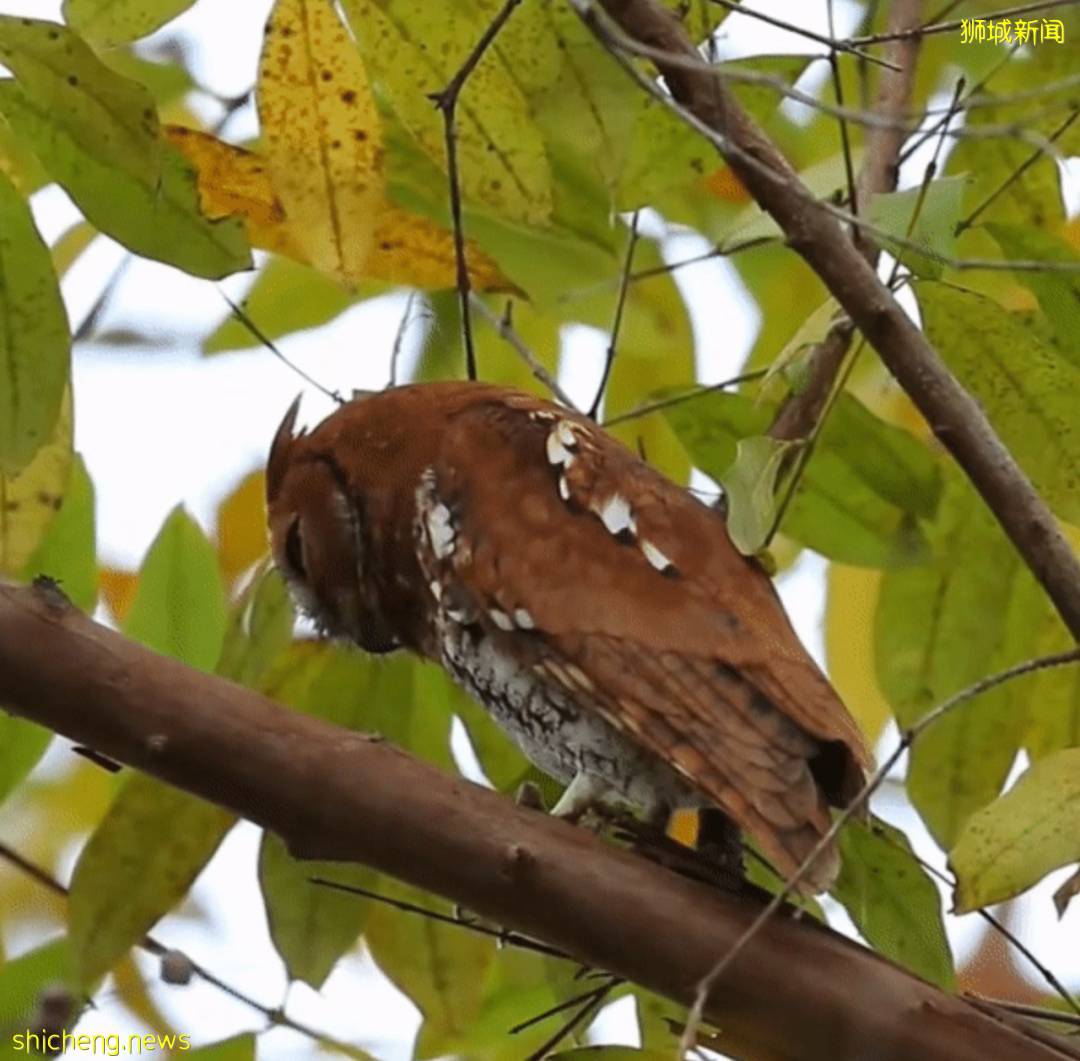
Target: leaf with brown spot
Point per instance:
(322, 135)
(30, 500)
(405, 248)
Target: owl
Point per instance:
(597, 610)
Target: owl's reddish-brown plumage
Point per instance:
(596, 608)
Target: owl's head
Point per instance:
(319, 536)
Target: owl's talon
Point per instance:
(584, 794)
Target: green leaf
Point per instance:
(414, 49)
(932, 227)
(260, 627)
(360, 692)
(750, 486)
(157, 217)
(1034, 828)
(974, 611)
(108, 117)
(893, 901)
(611, 1053)
(861, 491)
(518, 985)
(139, 863)
(67, 552)
(440, 967)
(287, 297)
(1058, 293)
(22, 744)
(664, 152)
(236, 1048)
(1029, 394)
(179, 606)
(30, 501)
(35, 343)
(112, 22)
(23, 979)
(311, 925)
(656, 1017)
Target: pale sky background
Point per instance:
(134, 411)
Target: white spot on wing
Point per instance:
(617, 515)
(501, 619)
(523, 619)
(564, 488)
(440, 530)
(436, 590)
(655, 557)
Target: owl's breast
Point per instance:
(553, 730)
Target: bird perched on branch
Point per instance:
(598, 611)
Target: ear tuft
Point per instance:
(279, 451)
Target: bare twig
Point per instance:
(273, 1015)
(590, 1005)
(1016, 174)
(879, 172)
(678, 399)
(616, 324)
(446, 101)
(908, 738)
(947, 27)
(502, 935)
(399, 337)
(263, 338)
(802, 31)
(504, 326)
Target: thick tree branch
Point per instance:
(954, 416)
(800, 992)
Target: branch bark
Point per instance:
(801, 992)
(953, 415)
(878, 173)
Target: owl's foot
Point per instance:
(585, 794)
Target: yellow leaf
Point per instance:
(849, 645)
(410, 249)
(118, 590)
(234, 183)
(241, 526)
(405, 248)
(322, 135)
(30, 500)
(414, 48)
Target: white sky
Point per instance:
(134, 418)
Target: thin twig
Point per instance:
(616, 324)
(845, 141)
(261, 336)
(504, 326)
(590, 1006)
(907, 739)
(274, 1015)
(801, 31)
(678, 399)
(502, 935)
(1016, 174)
(957, 23)
(552, 1011)
(399, 338)
(446, 102)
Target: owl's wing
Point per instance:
(635, 601)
